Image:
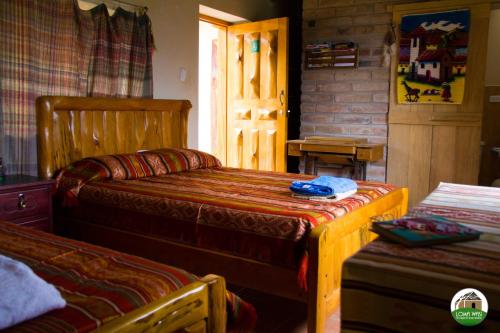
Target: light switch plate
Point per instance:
(495, 99)
(182, 74)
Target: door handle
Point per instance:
(282, 96)
(21, 201)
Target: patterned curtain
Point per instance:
(51, 47)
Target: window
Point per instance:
(434, 65)
(414, 42)
(422, 65)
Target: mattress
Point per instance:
(98, 284)
(247, 213)
(410, 290)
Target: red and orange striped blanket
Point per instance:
(410, 289)
(242, 212)
(98, 284)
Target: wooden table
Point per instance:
(387, 287)
(355, 152)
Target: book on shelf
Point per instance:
(349, 56)
(344, 64)
(425, 230)
(320, 65)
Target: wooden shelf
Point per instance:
(331, 58)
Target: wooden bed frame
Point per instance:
(198, 307)
(71, 128)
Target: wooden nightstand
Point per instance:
(27, 201)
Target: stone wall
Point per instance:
(348, 102)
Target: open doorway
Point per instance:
(212, 88)
(243, 92)
(212, 80)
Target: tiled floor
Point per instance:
(281, 315)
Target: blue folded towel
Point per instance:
(324, 186)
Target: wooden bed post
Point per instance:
(44, 108)
(217, 314)
(330, 244)
(316, 280)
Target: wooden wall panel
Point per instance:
(412, 144)
(441, 142)
(398, 144)
(490, 135)
(418, 162)
(468, 145)
(444, 140)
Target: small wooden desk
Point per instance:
(354, 152)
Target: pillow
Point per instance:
(177, 160)
(71, 179)
(24, 295)
(123, 166)
(128, 166)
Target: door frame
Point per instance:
(221, 100)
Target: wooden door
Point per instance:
(257, 95)
(435, 143)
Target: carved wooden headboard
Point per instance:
(72, 128)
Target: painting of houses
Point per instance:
(433, 57)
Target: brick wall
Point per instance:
(348, 102)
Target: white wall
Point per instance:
(492, 63)
(175, 31)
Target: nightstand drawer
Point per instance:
(20, 204)
(40, 224)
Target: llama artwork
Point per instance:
(432, 57)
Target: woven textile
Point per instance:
(176, 160)
(129, 166)
(98, 284)
(410, 289)
(243, 212)
(51, 47)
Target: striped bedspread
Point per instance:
(389, 288)
(243, 212)
(98, 284)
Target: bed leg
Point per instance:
(317, 280)
(217, 316)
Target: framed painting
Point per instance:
(433, 57)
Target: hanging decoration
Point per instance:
(432, 58)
